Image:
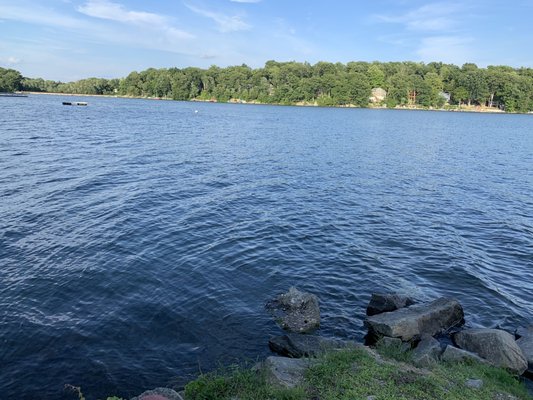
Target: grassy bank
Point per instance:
(362, 374)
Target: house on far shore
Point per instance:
(377, 95)
(445, 96)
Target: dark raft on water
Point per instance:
(74, 103)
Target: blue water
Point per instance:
(139, 240)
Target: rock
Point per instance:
(427, 352)
(526, 345)
(474, 383)
(387, 302)
(415, 321)
(454, 354)
(285, 372)
(504, 396)
(296, 345)
(296, 311)
(159, 394)
(386, 341)
(524, 331)
(496, 346)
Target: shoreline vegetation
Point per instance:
(382, 373)
(448, 108)
(402, 85)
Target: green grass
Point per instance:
(393, 351)
(238, 383)
(356, 374)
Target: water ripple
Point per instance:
(139, 240)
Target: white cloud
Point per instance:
(105, 9)
(433, 32)
(430, 17)
(450, 49)
(12, 60)
(117, 12)
(125, 30)
(39, 15)
(9, 61)
(225, 23)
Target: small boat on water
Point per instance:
(74, 103)
(13, 95)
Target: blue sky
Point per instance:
(73, 39)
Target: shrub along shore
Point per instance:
(446, 107)
(390, 84)
(412, 351)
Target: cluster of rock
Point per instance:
(398, 318)
(393, 320)
(298, 313)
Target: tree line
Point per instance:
(324, 83)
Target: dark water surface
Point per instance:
(139, 240)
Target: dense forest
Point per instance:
(324, 83)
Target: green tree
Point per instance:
(475, 84)
(10, 80)
(376, 76)
(430, 91)
(324, 82)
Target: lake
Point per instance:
(140, 239)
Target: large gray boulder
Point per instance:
(284, 372)
(494, 345)
(385, 302)
(417, 320)
(427, 352)
(296, 311)
(454, 354)
(159, 394)
(526, 345)
(297, 345)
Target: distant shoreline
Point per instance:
(463, 108)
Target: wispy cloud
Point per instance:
(432, 32)
(430, 17)
(225, 23)
(108, 10)
(117, 12)
(40, 16)
(452, 49)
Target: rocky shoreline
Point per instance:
(430, 332)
